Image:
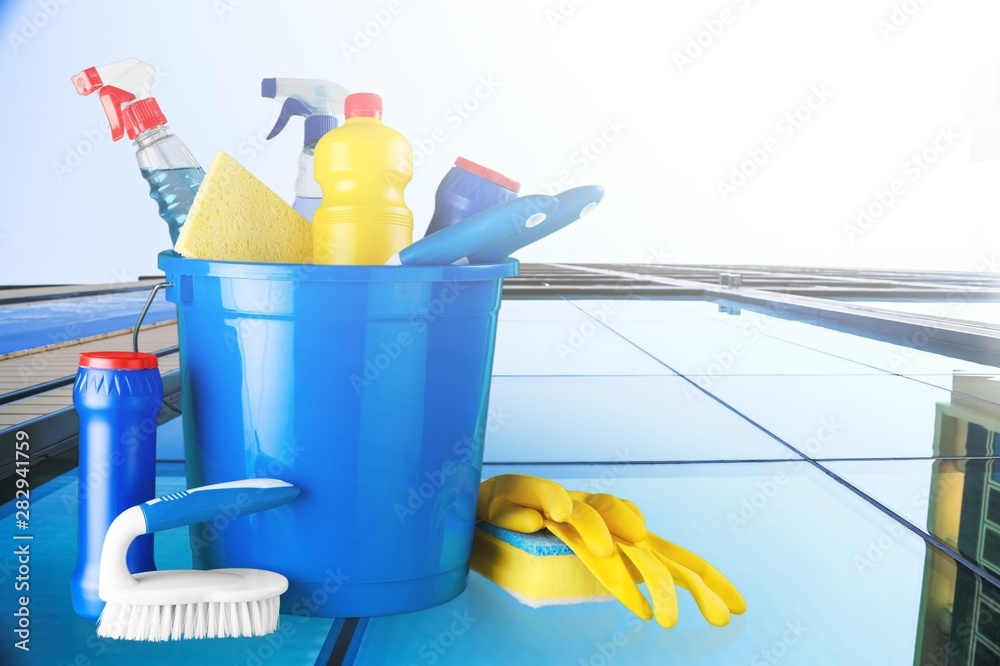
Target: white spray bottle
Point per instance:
(319, 102)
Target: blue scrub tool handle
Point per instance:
(231, 499)
(496, 224)
(573, 204)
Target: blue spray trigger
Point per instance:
(291, 107)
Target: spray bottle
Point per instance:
(319, 102)
(172, 172)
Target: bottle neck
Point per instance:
(151, 136)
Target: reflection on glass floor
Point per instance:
(849, 487)
(807, 595)
(832, 573)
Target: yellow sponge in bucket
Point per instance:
(536, 569)
(235, 217)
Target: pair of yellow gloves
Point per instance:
(609, 536)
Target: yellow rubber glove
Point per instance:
(638, 556)
(522, 503)
(661, 565)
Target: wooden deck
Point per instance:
(43, 365)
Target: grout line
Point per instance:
(726, 461)
(338, 655)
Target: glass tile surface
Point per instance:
(613, 418)
(845, 416)
(799, 554)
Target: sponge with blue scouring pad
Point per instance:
(536, 569)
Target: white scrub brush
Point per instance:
(172, 605)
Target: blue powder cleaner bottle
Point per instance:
(117, 396)
(467, 189)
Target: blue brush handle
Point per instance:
(573, 204)
(231, 499)
(484, 229)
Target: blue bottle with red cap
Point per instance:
(117, 396)
(467, 189)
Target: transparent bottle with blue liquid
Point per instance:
(172, 172)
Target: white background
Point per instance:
(76, 210)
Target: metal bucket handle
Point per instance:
(145, 309)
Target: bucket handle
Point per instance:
(145, 309)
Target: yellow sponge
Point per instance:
(536, 569)
(235, 217)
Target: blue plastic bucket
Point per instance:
(367, 387)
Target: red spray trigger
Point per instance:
(112, 100)
(120, 84)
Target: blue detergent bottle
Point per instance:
(117, 396)
(318, 101)
(467, 189)
(172, 172)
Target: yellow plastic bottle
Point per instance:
(363, 167)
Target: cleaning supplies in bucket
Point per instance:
(610, 538)
(363, 167)
(235, 217)
(356, 384)
(117, 396)
(351, 180)
(178, 604)
(319, 102)
(172, 172)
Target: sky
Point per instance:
(862, 133)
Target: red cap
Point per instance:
(364, 105)
(118, 360)
(141, 116)
(488, 174)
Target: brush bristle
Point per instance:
(184, 621)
